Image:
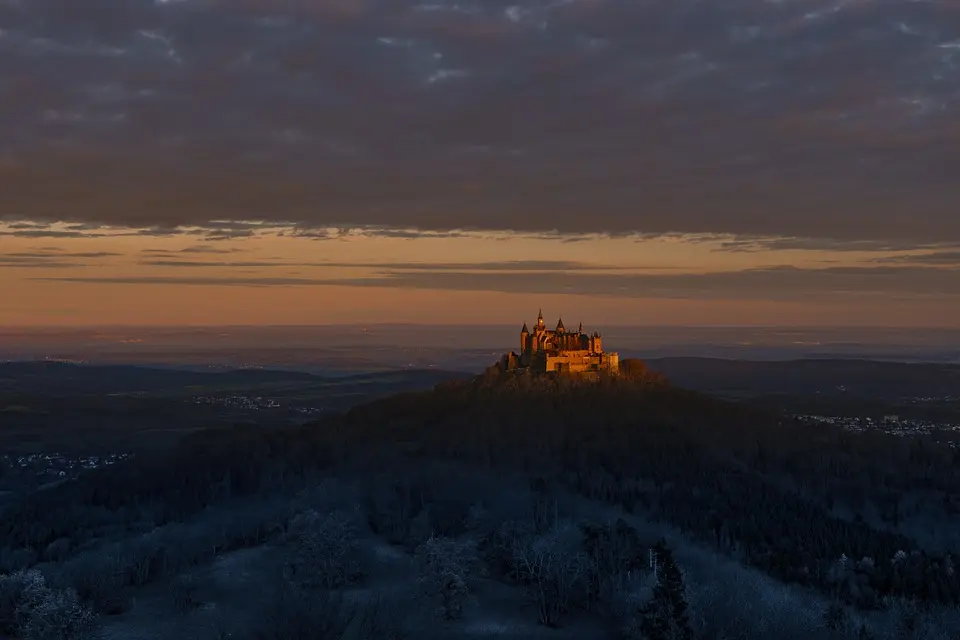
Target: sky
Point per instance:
(210, 162)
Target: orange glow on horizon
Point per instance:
(275, 280)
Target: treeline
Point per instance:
(752, 483)
(749, 482)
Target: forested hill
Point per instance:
(634, 425)
(789, 499)
(542, 410)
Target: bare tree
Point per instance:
(327, 550)
(18, 592)
(553, 566)
(60, 616)
(445, 567)
(34, 611)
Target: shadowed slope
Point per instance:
(786, 498)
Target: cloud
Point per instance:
(200, 281)
(51, 258)
(768, 283)
(28, 226)
(56, 253)
(347, 233)
(935, 258)
(192, 250)
(210, 250)
(28, 263)
(749, 244)
(510, 266)
(814, 120)
(198, 264)
(49, 233)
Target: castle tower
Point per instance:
(524, 337)
(560, 328)
(540, 321)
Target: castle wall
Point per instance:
(579, 362)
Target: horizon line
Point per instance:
(80, 327)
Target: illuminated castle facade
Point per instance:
(543, 350)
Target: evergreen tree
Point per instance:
(664, 616)
(835, 617)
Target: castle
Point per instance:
(561, 351)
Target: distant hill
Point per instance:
(65, 378)
(70, 379)
(54, 406)
(849, 377)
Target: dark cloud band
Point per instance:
(812, 119)
(773, 283)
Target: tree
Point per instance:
(553, 567)
(32, 610)
(664, 616)
(327, 551)
(444, 570)
(60, 616)
(835, 617)
(19, 593)
(633, 368)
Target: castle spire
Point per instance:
(580, 330)
(524, 330)
(560, 325)
(540, 319)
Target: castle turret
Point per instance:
(524, 337)
(540, 320)
(560, 328)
